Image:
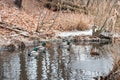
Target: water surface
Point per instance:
(60, 62)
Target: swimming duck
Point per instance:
(41, 49)
(94, 53)
(35, 52)
(68, 42)
(65, 45)
(75, 40)
(43, 44)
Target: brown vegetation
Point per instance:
(48, 16)
(101, 11)
(69, 15)
(29, 18)
(115, 73)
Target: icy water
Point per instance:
(60, 61)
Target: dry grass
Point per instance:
(70, 22)
(105, 9)
(80, 26)
(27, 18)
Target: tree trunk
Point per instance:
(18, 3)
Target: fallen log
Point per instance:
(9, 27)
(22, 32)
(104, 37)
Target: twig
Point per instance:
(103, 26)
(41, 25)
(37, 29)
(56, 15)
(6, 26)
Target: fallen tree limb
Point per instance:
(9, 27)
(19, 31)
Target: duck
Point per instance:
(34, 52)
(43, 43)
(42, 49)
(94, 53)
(75, 40)
(94, 29)
(65, 45)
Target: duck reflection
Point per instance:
(31, 68)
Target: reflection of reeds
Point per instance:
(115, 73)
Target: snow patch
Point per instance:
(74, 33)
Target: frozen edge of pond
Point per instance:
(75, 33)
(84, 33)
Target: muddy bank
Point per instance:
(14, 38)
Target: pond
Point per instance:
(60, 61)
